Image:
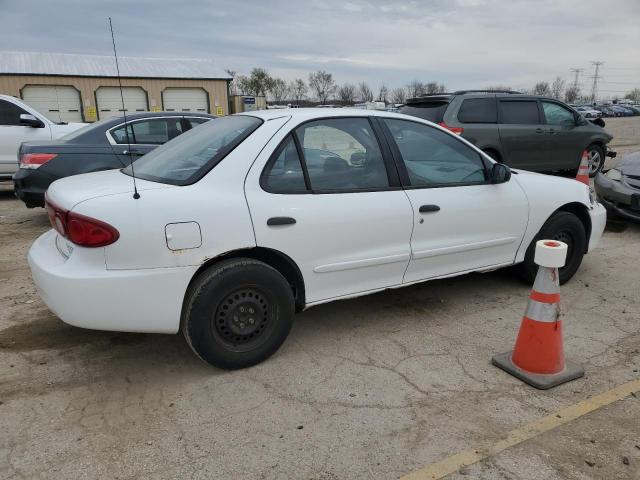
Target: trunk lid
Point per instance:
(70, 191)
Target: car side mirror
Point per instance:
(29, 120)
(598, 121)
(500, 173)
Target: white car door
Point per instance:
(325, 195)
(462, 222)
(12, 134)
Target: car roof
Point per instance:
(311, 113)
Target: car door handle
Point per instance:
(539, 131)
(429, 208)
(552, 131)
(274, 221)
(132, 152)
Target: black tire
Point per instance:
(237, 313)
(596, 154)
(563, 226)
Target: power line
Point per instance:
(577, 72)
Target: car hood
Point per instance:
(630, 164)
(70, 191)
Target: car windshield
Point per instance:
(187, 158)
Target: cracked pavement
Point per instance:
(373, 387)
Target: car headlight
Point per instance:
(614, 174)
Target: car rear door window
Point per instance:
(556, 114)
(523, 112)
(153, 131)
(10, 113)
(435, 158)
(342, 154)
(283, 173)
(478, 110)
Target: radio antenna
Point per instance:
(136, 195)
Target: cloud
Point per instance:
(462, 43)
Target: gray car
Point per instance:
(618, 189)
(524, 131)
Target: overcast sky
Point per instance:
(461, 43)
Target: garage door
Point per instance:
(109, 102)
(185, 100)
(57, 102)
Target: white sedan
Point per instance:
(243, 221)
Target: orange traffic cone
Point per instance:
(583, 169)
(538, 356)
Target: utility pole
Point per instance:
(594, 88)
(577, 72)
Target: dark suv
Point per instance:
(524, 131)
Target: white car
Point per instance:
(243, 221)
(21, 123)
(588, 112)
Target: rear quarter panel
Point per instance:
(546, 194)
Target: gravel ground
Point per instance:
(374, 387)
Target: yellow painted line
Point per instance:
(521, 434)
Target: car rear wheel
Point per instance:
(596, 159)
(237, 313)
(565, 227)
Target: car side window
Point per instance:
(342, 154)
(478, 110)
(10, 113)
(283, 173)
(153, 131)
(433, 157)
(522, 112)
(195, 121)
(556, 114)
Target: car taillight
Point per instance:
(34, 160)
(80, 229)
(456, 130)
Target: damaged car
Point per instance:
(618, 189)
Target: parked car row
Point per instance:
(523, 131)
(618, 110)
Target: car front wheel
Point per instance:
(565, 227)
(237, 313)
(596, 159)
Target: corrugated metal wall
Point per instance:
(216, 89)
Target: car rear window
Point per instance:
(190, 156)
(432, 111)
(519, 112)
(478, 110)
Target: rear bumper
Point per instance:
(82, 292)
(30, 186)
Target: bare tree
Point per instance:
(298, 90)
(347, 93)
(322, 84)
(557, 88)
(433, 87)
(633, 95)
(364, 92)
(571, 94)
(278, 90)
(542, 88)
(398, 95)
(383, 93)
(415, 89)
(259, 81)
(242, 84)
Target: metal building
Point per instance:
(77, 88)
